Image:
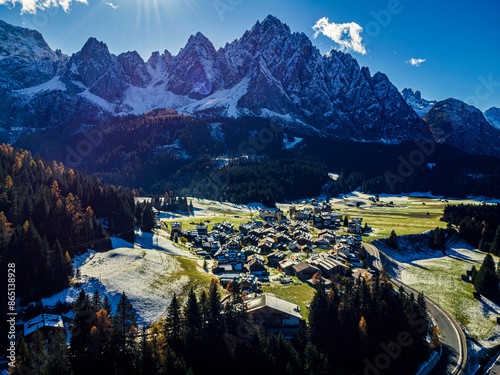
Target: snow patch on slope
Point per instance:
(102, 103)
(147, 276)
(216, 132)
(288, 144)
(420, 105)
(227, 98)
(53, 85)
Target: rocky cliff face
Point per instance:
(268, 72)
(463, 126)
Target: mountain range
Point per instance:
(269, 72)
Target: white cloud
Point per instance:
(346, 35)
(31, 6)
(112, 5)
(416, 62)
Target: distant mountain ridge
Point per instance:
(269, 72)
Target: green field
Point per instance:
(440, 279)
(298, 294)
(410, 218)
(198, 279)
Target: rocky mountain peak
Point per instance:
(463, 126)
(23, 43)
(414, 98)
(493, 116)
(268, 72)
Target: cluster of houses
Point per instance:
(245, 254)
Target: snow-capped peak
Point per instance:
(23, 43)
(420, 105)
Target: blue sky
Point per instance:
(459, 40)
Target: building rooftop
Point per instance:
(43, 320)
(274, 303)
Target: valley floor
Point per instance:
(153, 268)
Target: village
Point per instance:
(314, 244)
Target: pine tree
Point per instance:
(214, 319)
(234, 309)
(204, 310)
(147, 219)
(148, 363)
(96, 302)
(23, 364)
(318, 314)
(495, 245)
(438, 239)
(100, 341)
(80, 331)
(58, 357)
(38, 352)
(122, 341)
(474, 275)
(192, 319)
(125, 316)
(486, 281)
(106, 305)
(173, 323)
(392, 241)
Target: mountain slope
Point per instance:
(463, 126)
(269, 72)
(493, 116)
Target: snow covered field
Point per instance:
(149, 277)
(147, 271)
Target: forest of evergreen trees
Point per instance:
(479, 224)
(48, 214)
(131, 151)
(348, 328)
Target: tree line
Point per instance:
(211, 333)
(486, 279)
(479, 224)
(49, 214)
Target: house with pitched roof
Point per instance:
(274, 314)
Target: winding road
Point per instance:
(454, 355)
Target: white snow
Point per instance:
(420, 105)
(148, 277)
(145, 271)
(333, 176)
(288, 144)
(265, 112)
(226, 98)
(142, 100)
(216, 131)
(52, 85)
(104, 104)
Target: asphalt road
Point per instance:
(495, 367)
(454, 355)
